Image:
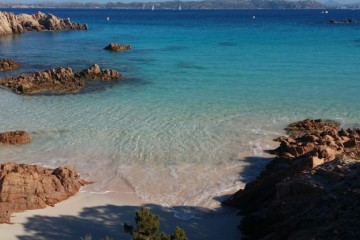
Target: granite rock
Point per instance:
(15, 137)
(310, 190)
(11, 23)
(117, 47)
(26, 187)
(8, 65)
(57, 80)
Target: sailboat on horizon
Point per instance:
(180, 8)
(152, 8)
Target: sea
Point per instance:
(206, 93)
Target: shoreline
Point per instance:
(104, 214)
(106, 210)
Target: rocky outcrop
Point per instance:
(8, 65)
(117, 47)
(58, 81)
(325, 145)
(310, 190)
(11, 23)
(94, 72)
(303, 127)
(26, 187)
(345, 21)
(16, 137)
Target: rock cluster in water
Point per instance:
(346, 21)
(8, 65)
(310, 190)
(15, 137)
(11, 23)
(25, 187)
(58, 81)
(117, 47)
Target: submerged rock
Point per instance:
(26, 187)
(8, 65)
(117, 47)
(11, 23)
(310, 190)
(16, 137)
(57, 81)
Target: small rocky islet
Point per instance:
(58, 80)
(15, 137)
(117, 47)
(310, 190)
(8, 65)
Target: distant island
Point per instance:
(179, 5)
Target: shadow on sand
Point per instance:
(109, 219)
(199, 223)
(252, 168)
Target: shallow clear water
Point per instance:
(208, 90)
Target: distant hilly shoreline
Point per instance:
(175, 5)
(190, 5)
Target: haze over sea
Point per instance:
(207, 93)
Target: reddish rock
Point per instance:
(117, 47)
(303, 127)
(8, 65)
(11, 23)
(315, 161)
(94, 72)
(26, 187)
(326, 145)
(16, 137)
(309, 190)
(57, 81)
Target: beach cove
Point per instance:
(207, 95)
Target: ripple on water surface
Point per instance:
(206, 95)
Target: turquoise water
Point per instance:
(207, 89)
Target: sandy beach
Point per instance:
(104, 214)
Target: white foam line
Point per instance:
(106, 192)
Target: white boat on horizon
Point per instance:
(152, 8)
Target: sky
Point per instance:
(105, 1)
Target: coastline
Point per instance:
(150, 152)
(104, 214)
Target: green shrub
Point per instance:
(148, 225)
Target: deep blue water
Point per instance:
(207, 89)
